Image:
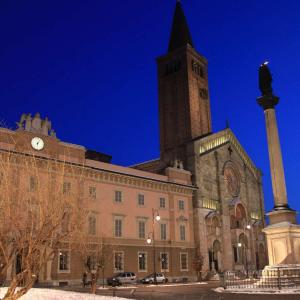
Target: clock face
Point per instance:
(37, 143)
(232, 181)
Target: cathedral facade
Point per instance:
(204, 187)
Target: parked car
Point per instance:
(122, 278)
(113, 281)
(160, 278)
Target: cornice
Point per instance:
(106, 176)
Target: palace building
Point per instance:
(204, 187)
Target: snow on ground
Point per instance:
(51, 294)
(257, 291)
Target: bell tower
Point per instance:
(184, 105)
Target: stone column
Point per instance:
(201, 235)
(283, 235)
(281, 211)
(277, 172)
(227, 254)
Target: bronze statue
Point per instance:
(265, 80)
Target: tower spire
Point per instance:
(184, 106)
(180, 33)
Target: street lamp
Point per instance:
(155, 217)
(149, 240)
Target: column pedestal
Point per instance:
(283, 243)
(282, 215)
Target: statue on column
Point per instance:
(265, 80)
(267, 99)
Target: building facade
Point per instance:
(120, 203)
(204, 186)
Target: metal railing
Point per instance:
(274, 278)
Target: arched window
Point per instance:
(213, 224)
(240, 216)
(216, 246)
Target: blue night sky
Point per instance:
(89, 65)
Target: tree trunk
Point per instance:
(93, 287)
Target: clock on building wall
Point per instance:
(37, 143)
(232, 180)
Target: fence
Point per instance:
(276, 278)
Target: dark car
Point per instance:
(113, 281)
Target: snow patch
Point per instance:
(51, 294)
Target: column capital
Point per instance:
(267, 101)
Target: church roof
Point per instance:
(180, 33)
(223, 137)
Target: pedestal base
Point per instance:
(282, 214)
(283, 243)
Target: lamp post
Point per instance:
(155, 217)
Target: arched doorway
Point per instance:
(213, 229)
(216, 255)
(243, 250)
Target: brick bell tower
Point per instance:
(184, 105)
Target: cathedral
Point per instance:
(204, 188)
(228, 206)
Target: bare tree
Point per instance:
(39, 213)
(95, 254)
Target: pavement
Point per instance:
(188, 291)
